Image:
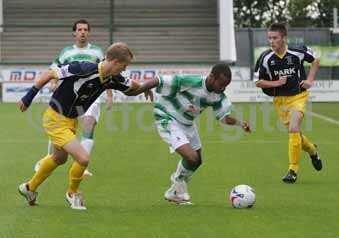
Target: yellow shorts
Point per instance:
(60, 129)
(284, 105)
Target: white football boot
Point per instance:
(87, 173)
(30, 196)
(76, 201)
(178, 193)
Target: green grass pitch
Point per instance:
(131, 167)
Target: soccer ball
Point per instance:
(242, 196)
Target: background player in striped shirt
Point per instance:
(280, 73)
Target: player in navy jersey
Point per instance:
(81, 84)
(82, 50)
(280, 73)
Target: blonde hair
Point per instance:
(119, 51)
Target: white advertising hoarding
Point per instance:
(16, 81)
(246, 91)
(29, 74)
(237, 91)
(13, 92)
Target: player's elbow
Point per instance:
(154, 82)
(316, 62)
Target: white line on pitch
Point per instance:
(325, 118)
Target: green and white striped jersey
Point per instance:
(184, 97)
(90, 53)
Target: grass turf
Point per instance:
(131, 167)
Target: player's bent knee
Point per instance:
(89, 124)
(294, 130)
(194, 160)
(61, 162)
(60, 159)
(83, 160)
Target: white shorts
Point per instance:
(94, 110)
(176, 135)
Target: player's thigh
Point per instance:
(94, 111)
(59, 155)
(295, 121)
(297, 107)
(59, 129)
(88, 124)
(298, 102)
(282, 109)
(172, 134)
(77, 151)
(187, 152)
(193, 136)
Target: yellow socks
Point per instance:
(308, 146)
(75, 177)
(294, 150)
(47, 165)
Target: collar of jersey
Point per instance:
(101, 76)
(84, 48)
(283, 54)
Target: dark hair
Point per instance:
(81, 21)
(279, 27)
(222, 68)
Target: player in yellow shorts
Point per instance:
(81, 84)
(280, 73)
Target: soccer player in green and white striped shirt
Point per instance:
(182, 99)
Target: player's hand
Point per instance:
(109, 103)
(306, 84)
(53, 85)
(246, 127)
(133, 89)
(149, 95)
(22, 106)
(282, 80)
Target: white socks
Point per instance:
(50, 147)
(87, 144)
(183, 174)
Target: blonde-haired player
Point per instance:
(81, 84)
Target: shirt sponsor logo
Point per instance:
(282, 72)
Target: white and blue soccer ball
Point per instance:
(242, 196)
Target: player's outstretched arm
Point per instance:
(235, 122)
(26, 100)
(145, 87)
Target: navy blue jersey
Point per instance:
(270, 67)
(82, 83)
